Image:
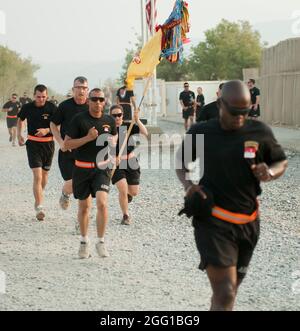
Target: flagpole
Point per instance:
(154, 79)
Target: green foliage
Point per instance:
(227, 50)
(16, 74)
(173, 72)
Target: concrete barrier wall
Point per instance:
(280, 83)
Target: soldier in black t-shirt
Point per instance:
(39, 144)
(126, 99)
(211, 110)
(25, 99)
(59, 125)
(127, 174)
(255, 99)
(200, 102)
(238, 155)
(89, 134)
(12, 109)
(187, 101)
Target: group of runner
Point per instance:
(240, 153)
(90, 143)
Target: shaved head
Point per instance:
(236, 94)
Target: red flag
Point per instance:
(149, 13)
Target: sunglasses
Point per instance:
(117, 115)
(95, 99)
(235, 111)
(186, 86)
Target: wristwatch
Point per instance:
(271, 173)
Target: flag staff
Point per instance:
(154, 78)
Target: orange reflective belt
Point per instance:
(11, 116)
(234, 218)
(90, 165)
(40, 139)
(85, 165)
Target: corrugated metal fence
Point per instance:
(280, 83)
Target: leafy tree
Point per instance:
(227, 50)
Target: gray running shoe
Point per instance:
(126, 220)
(64, 201)
(101, 250)
(84, 250)
(130, 198)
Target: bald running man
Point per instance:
(239, 154)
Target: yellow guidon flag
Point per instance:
(144, 64)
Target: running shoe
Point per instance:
(84, 250)
(130, 198)
(40, 214)
(64, 201)
(126, 220)
(101, 250)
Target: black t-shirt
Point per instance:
(37, 117)
(255, 92)
(228, 156)
(79, 128)
(66, 112)
(24, 101)
(126, 98)
(16, 106)
(55, 102)
(131, 140)
(208, 112)
(188, 98)
(200, 99)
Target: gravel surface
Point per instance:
(153, 263)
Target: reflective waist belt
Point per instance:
(125, 103)
(40, 139)
(90, 165)
(11, 116)
(234, 218)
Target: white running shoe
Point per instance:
(40, 214)
(84, 250)
(101, 250)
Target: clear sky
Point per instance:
(100, 30)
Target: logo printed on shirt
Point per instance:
(251, 148)
(45, 116)
(106, 128)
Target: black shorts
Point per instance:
(223, 244)
(66, 163)
(254, 113)
(186, 114)
(127, 112)
(11, 122)
(132, 176)
(40, 155)
(88, 182)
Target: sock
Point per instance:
(84, 239)
(101, 240)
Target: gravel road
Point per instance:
(153, 263)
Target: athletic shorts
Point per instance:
(40, 155)
(11, 122)
(127, 112)
(188, 113)
(88, 182)
(66, 163)
(222, 244)
(132, 176)
(254, 113)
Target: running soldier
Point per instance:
(12, 109)
(127, 175)
(239, 154)
(39, 144)
(91, 177)
(60, 124)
